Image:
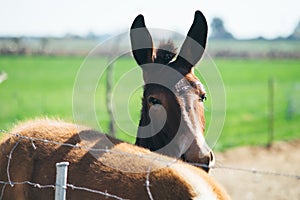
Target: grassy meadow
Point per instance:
(43, 85)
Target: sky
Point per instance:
(244, 19)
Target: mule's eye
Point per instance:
(154, 101)
(202, 97)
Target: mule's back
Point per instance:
(118, 168)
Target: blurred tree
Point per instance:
(17, 42)
(19, 46)
(44, 43)
(91, 35)
(296, 33)
(218, 30)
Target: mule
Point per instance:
(120, 170)
(172, 119)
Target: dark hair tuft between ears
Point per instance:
(165, 52)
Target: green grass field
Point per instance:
(42, 86)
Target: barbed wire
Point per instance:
(9, 159)
(37, 185)
(168, 163)
(262, 172)
(71, 186)
(106, 194)
(148, 184)
(253, 170)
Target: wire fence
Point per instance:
(147, 184)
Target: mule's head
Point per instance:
(172, 120)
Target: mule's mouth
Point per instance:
(205, 163)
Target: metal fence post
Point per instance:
(61, 180)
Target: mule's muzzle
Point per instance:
(206, 162)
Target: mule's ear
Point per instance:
(141, 41)
(194, 44)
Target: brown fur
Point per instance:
(122, 174)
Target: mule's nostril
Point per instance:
(211, 156)
(212, 159)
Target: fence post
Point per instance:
(109, 86)
(61, 180)
(271, 112)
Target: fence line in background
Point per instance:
(65, 185)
